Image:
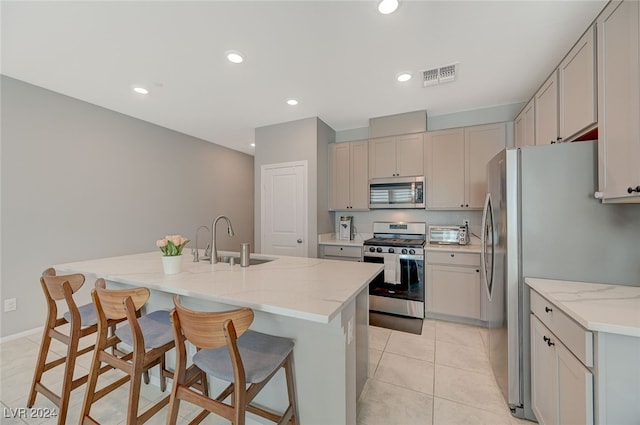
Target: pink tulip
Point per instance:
(161, 243)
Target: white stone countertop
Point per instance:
(595, 306)
(474, 249)
(305, 288)
(331, 239)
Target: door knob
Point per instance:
(299, 240)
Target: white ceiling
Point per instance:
(339, 58)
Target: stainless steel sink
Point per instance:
(252, 261)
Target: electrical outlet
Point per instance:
(465, 222)
(10, 304)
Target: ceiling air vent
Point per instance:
(430, 77)
(444, 74)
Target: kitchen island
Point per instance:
(321, 304)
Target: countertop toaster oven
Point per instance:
(449, 235)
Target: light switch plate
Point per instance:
(10, 304)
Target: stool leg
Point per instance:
(91, 384)
(179, 377)
(174, 404)
(205, 383)
(134, 394)
(163, 377)
(72, 353)
(291, 388)
(42, 360)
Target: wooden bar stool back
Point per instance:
(150, 336)
(82, 321)
(228, 350)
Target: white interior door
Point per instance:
(284, 209)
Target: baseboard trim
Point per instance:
(21, 334)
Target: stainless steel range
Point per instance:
(400, 288)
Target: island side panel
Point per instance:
(362, 341)
(325, 363)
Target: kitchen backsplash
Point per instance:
(363, 221)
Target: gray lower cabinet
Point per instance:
(579, 376)
(561, 387)
(341, 252)
(453, 285)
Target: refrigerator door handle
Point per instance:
(487, 214)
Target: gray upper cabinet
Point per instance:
(445, 163)
(546, 110)
(577, 88)
(618, 28)
(565, 106)
(456, 161)
(348, 176)
(398, 156)
(482, 143)
(525, 130)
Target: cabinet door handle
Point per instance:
(631, 189)
(547, 309)
(453, 255)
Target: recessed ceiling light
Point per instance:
(403, 77)
(140, 90)
(292, 102)
(387, 6)
(234, 57)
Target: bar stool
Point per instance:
(231, 352)
(150, 336)
(82, 322)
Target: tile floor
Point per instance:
(441, 377)
(438, 378)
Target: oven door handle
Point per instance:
(417, 257)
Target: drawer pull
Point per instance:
(453, 255)
(547, 309)
(548, 341)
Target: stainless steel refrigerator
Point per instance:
(541, 220)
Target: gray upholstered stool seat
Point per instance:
(74, 326)
(87, 315)
(229, 351)
(155, 326)
(261, 355)
(150, 337)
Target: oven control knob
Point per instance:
(379, 249)
(371, 249)
(412, 251)
(391, 250)
(404, 250)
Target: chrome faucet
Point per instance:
(196, 254)
(214, 250)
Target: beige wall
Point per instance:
(81, 182)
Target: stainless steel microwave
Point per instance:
(397, 192)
